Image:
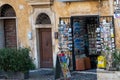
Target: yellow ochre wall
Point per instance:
(67, 9)
(103, 8)
(22, 10)
(60, 9)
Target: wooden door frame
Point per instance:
(37, 42)
(4, 18)
(40, 44)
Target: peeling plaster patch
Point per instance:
(21, 7)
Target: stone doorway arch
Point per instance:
(45, 41)
(8, 37)
(43, 18)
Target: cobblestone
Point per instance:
(76, 75)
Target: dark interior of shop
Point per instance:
(84, 38)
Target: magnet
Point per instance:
(112, 39)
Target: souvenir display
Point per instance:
(65, 41)
(65, 36)
(88, 36)
(107, 36)
(79, 37)
(94, 36)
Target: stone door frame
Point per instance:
(10, 17)
(35, 28)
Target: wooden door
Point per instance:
(2, 37)
(46, 57)
(10, 33)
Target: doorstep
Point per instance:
(106, 75)
(104, 71)
(95, 71)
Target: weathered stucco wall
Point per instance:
(104, 8)
(117, 32)
(58, 9)
(67, 9)
(23, 11)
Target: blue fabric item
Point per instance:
(78, 40)
(79, 37)
(77, 24)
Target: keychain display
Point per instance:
(107, 35)
(65, 36)
(65, 41)
(93, 37)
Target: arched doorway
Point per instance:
(45, 41)
(8, 35)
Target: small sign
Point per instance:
(62, 67)
(117, 13)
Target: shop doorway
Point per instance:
(91, 35)
(8, 37)
(45, 41)
(84, 41)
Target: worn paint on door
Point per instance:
(10, 33)
(2, 39)
(46, 57)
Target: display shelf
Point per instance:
(65, 39)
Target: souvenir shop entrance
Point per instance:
(84, 38)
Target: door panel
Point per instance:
(10, 33)
(2, 43)
(46, 60)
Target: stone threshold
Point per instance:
(104, 71)
(94, 71)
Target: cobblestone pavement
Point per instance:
(49, 75)
(92, 74)
(42, 75)
(76, 75)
